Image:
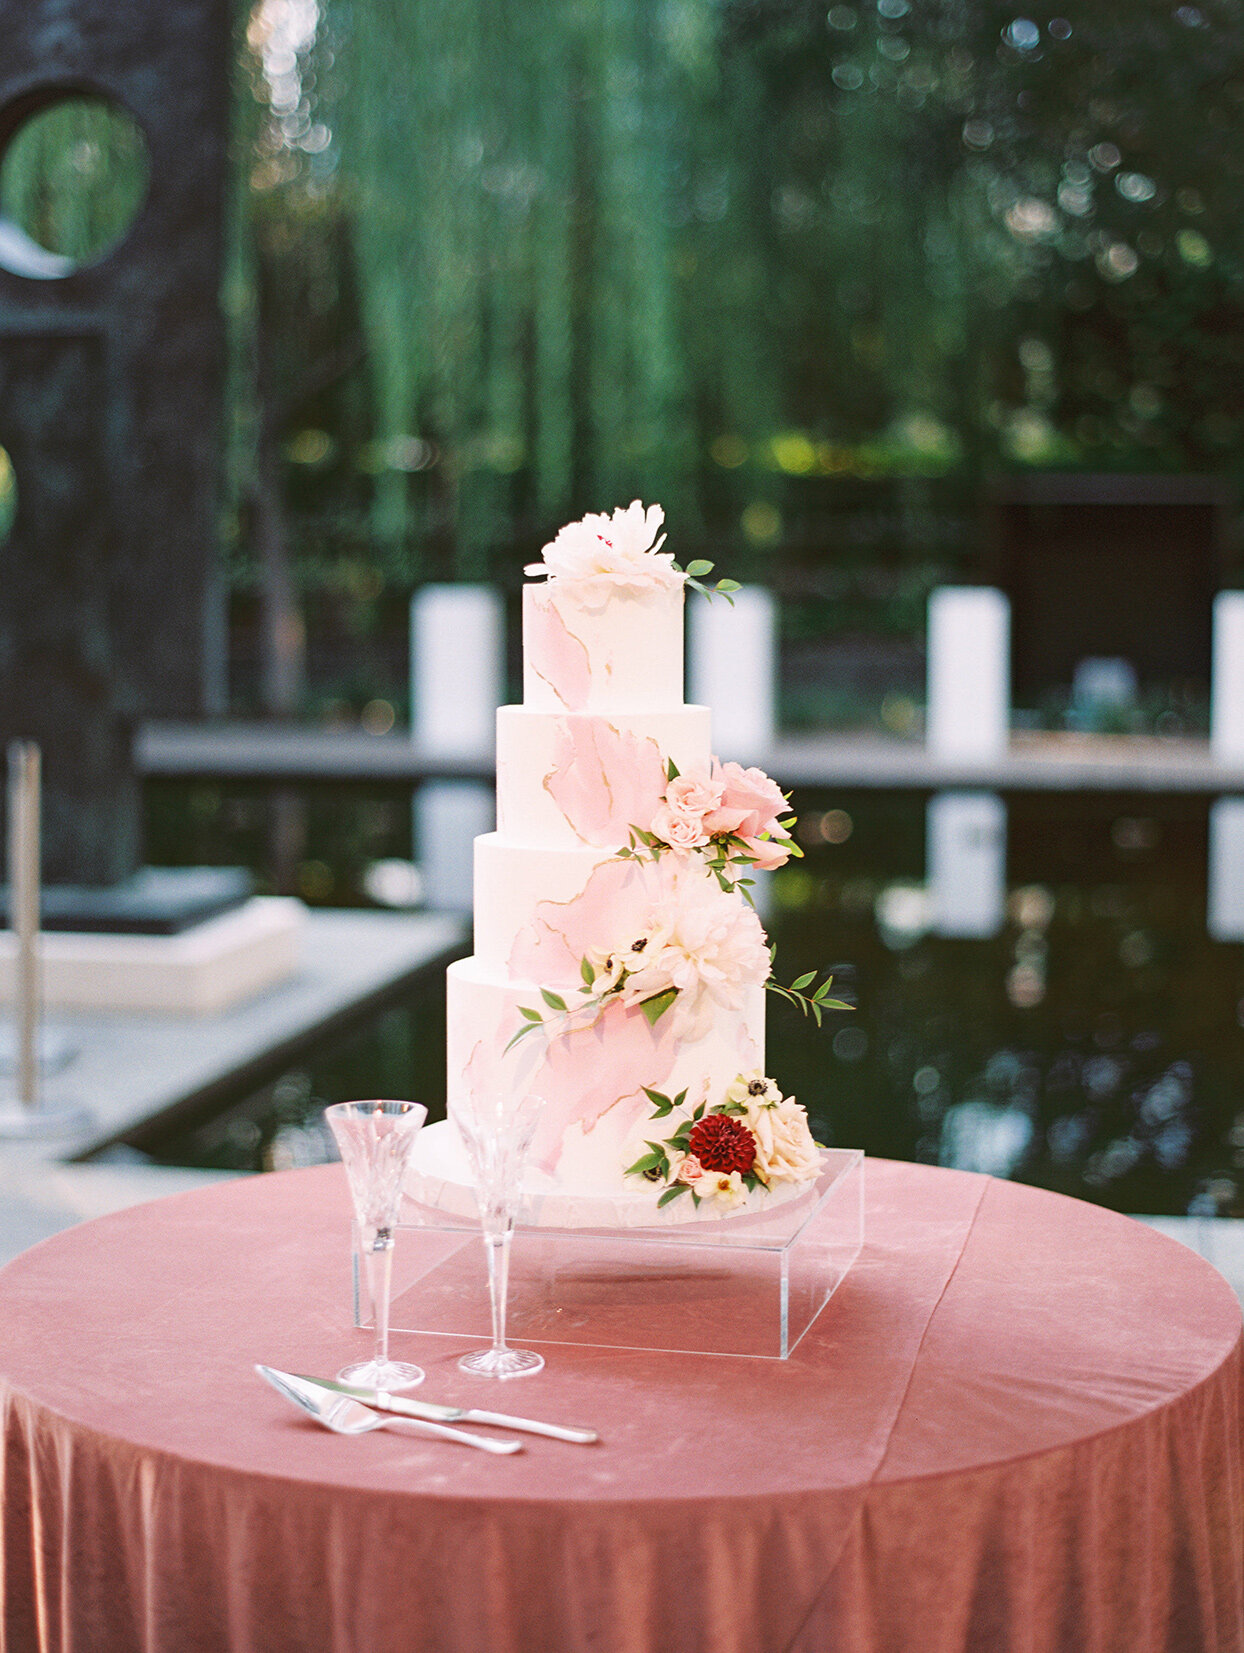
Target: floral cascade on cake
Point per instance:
(620, 969)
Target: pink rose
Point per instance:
(768, 853)
(694, 793)
(679, 830)
(750, 801)
(690, 1170)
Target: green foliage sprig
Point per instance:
(695, 572)
(564, 1014)
(812, 1004)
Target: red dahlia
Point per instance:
(722, 1143)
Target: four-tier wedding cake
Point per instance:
(619, 968)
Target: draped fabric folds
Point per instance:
(1015, 1429)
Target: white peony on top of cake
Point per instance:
(602, 556)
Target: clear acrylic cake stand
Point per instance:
(744, 1285)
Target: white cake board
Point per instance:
(205, 969)
(440, 1179)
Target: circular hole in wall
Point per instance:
(73, 177)
(8, 495)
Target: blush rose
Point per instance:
(680, 829)
(694, 793)
(750, 802)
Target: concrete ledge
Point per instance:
(1032, 762)
(128, 1069)
(197, 972)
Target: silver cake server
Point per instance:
(405, 1407)
(346, 1416)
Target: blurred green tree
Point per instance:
(608, 248)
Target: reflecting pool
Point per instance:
(1095, 1045)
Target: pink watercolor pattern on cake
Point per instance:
(552, 652)
(604, 781)
(582, 1074)
(616, 898)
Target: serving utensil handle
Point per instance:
(532, 1426)
(443, 1432)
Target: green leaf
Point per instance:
(553, 1000)
(527, 1027)
(801, 982)
(726, 586)
(673, 1192)
(671, 770)
(699, 568)
(655, 1007)
(681, 1097)
(529, 1013)
(681, 1139)
(699, 1112)
(586, 971)
(648, 1162)
(661, 1100)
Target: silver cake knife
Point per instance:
(429, 1410)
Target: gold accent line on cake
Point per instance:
(620, 969)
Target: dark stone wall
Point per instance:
(110, 395)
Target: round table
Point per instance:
(1014, 1429)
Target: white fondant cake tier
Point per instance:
(602, 652)
(592, 1078)
(585, 778)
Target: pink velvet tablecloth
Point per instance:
(1015, 1429)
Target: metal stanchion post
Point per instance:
(28, 1114)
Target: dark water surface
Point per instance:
(1095, 1046)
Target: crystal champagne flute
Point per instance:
(497, 1133)
(376, 1140)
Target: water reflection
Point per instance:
(1093, 1046)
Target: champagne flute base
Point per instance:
(502, 1363)
(382, 1374)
